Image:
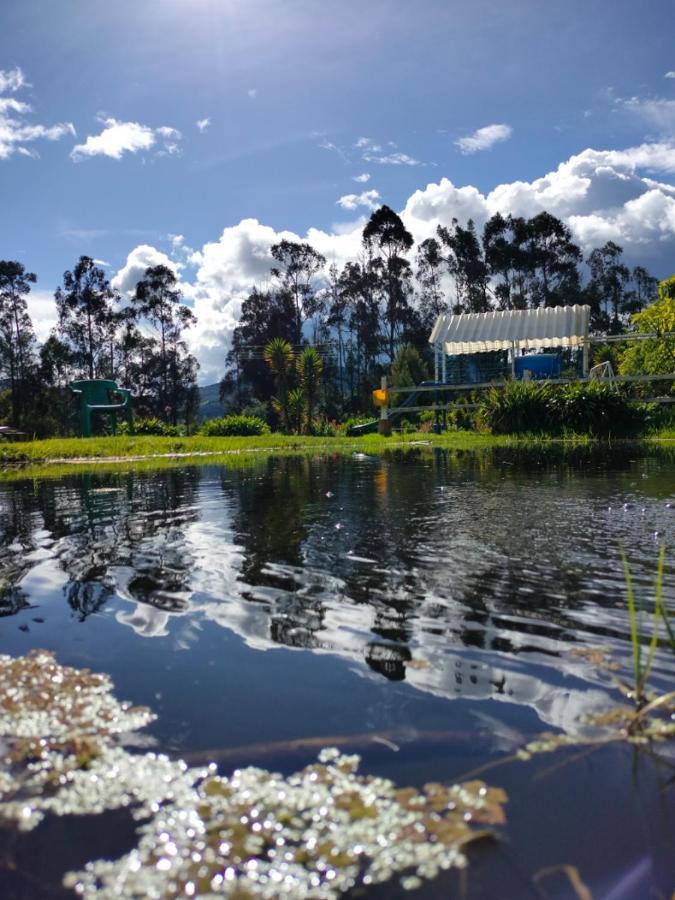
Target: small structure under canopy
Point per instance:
(512, 330)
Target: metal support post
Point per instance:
(384, 425)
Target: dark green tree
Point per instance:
(265, 315)
(337, 319)
(17, 338)
(298, 264)
(386, 240)
(359, 286)
(645, 288)
(553, 260)
(408, 369)
(158, 301)
(430, 265)
(465, 262)
(85, 306)
(505, 249)
(607, 286)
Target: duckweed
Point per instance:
(316, 833)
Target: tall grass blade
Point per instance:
(659, 598)
(658, 609)
(634, 634)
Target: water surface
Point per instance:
(422, 607)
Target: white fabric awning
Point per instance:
(535, 329)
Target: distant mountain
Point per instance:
(210, 406)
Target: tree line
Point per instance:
(137, 342)
(358, 317)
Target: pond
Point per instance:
(422, 609)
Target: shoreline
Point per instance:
(52, 456)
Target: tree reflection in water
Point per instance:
(444, 569)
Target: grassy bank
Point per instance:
(60, 450)
(64, 454)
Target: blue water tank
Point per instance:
(541, 365)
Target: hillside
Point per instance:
(210, 406)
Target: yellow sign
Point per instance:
(380, 397)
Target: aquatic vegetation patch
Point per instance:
(649, 719)
(316, 833)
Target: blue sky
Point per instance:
(450, 109)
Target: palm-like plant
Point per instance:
(296, 409)
(279, 357)
(310, 370)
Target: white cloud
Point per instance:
(375, 153)
(203, 124)
(369, 199)
(364, 143)
(42, 310)
(118, 138)
(655, 111)
(391, 159)
(141, 258)
(15, 130)
(669, 75)
(9, 104)
(484, 138)
(334, 148)
(362, 178)
(601, 194)
(12, 80)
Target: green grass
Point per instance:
(46, 456)
(66, 454)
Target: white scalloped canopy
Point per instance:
(535, 329)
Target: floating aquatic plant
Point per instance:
(649, 718)
(316, 833)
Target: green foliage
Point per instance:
(655, 356)
(353, 421)
(322, 427)
(256, 408)
(153, 426)
(279, 357)
(519, 408)
(405, 426)
(596, 409)
(310, 371)
(408, 368)
(233, 426)
(17, 338)
(530, 407)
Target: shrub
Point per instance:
(325, 428)
(153, 426)
(405, 426)
(594, 409)
(235, 426)
(256, 408)
(522, 406)
(356, 420)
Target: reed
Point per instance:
(642, 664)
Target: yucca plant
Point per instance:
(310, 369)
(519, 407)
(280, 358)
(296, 409)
